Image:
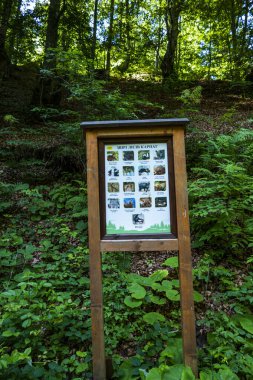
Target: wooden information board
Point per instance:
(137, 201)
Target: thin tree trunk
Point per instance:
(178, 48)
(50, 87)
(121, 12)
(210, 57)
(15, 34)
(94, 36)
(233, 26)
(109, 40)
(172, 13)
(158, 45)
(128, 38)
(4, 20)
(245, 27)
(52, 33)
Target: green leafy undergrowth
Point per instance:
(45, 318)
(45, 297)
(130, 370)
(226, 327)
(44, 301)
(154, 301)
(229, 341)
(221, 195)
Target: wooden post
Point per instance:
(178, 239)
(184, 248)
(96, 290)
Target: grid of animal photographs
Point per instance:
(137, 183)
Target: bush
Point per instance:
(221, 194)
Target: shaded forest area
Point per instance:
(66, 61)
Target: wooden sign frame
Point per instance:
(96, 134)
(170, 181)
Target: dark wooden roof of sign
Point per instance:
(134, 123)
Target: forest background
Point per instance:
(66, 61)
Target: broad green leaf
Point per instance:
(5, 253)
(81, 367)
(172, 295)
(153, 317)
(126, 371)
(171, 262)
(81, 354)
(18, 240)
(246, 323)
(22, 186)
(174, 351)
(27, 323)
(29, 249)
(227, 374)
(131, 302)
(46, 243)
(208, 375)
(164, 286)
(137, 291)
(144, 281)
(167, 285)
(157, 286)
(28, 351)
(197, 296)
(178, 372)
(173, 373)
(81, 226)
(3, 363)
(143, 373)
(157, 300)
(8, 333)
(47, 284)
(158, 275)
(175, 283)
(154, 374)
(187, 374)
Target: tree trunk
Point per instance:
(14, 37)
(172, 13)
(109, 40)
(233, 32)
(210, 56)
(245, 28)
(94, 36)
(51, 89)
(237, 43)
(52, 33)
(4, 20)
(159, 37)
(128, 38)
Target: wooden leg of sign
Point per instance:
(97, 318)
(187, 307)
(96, 291)
(185, 261)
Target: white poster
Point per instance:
(137, 189)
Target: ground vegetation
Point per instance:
(63, 62)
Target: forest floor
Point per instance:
(43, 135)
(45, 147)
